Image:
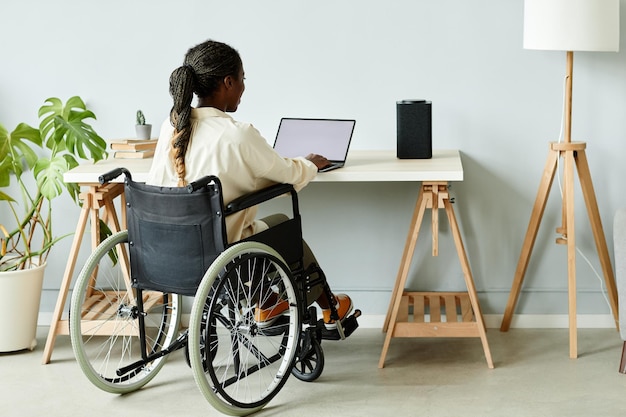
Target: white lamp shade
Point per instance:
(571, 25)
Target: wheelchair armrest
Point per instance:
(258, 197)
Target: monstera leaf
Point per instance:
(14, 149)
(49, 176)
(63, 128)
(6, 197)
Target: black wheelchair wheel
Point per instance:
(309, 363)
(240, 362)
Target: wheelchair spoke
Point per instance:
(105, 325)
(247, 362)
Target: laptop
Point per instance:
(327, 137)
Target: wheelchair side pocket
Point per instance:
(157, 244)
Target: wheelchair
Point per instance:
(126, 306)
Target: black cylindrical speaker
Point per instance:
(415, 134)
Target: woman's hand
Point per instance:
(319, 161)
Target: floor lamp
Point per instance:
(568, 25)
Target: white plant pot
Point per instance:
(19, 309)
(143, 131)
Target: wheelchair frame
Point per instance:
(124, 319)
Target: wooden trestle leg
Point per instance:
(461, 311)
(96, 198)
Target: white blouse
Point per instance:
(238, 155)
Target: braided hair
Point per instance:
(204, 68)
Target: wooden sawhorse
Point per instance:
(461, 310)
(95, 198)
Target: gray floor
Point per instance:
(422, 377)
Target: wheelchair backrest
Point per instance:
(174, 235)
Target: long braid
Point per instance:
(204, 68)
(181, 90)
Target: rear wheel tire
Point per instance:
(238, 363)
(104, 320)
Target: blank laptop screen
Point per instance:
(327, 137)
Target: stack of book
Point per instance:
(134, 148)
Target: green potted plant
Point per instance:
(142, 129)
(32, 164)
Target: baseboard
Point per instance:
(519, 321)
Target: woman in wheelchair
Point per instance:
(205, 140)
(191, 231)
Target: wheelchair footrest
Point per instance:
(350, 324)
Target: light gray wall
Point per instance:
(496, 102)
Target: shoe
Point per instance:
(344, 307)
(271, 309)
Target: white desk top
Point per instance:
(374, 166)
(361, 166)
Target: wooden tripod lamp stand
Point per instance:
(568, 25)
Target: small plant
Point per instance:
(141, 119)
(143, 130)
(45, 153)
